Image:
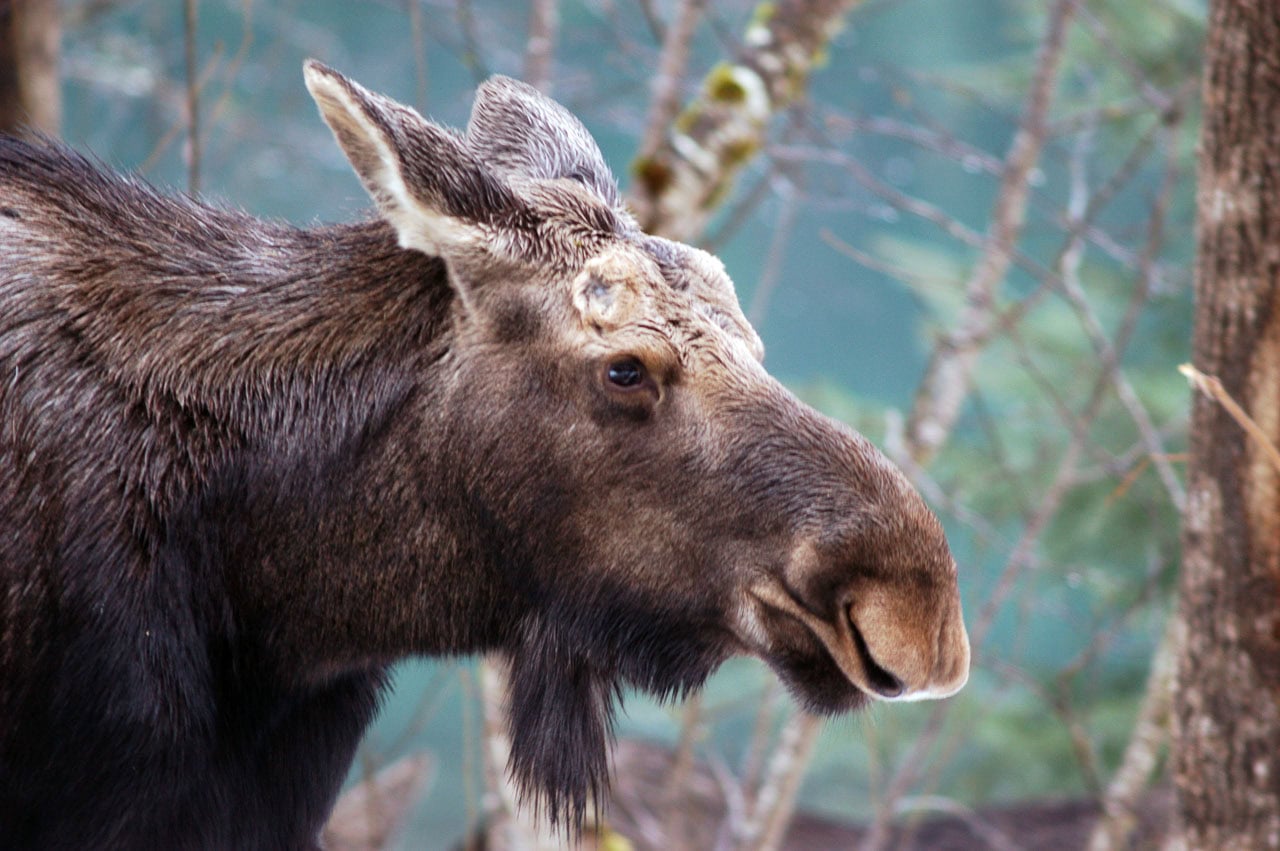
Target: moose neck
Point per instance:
(288, 374)
(357, 543)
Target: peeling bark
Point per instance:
(1227, 704)
(678, 186)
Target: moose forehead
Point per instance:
(648, 287)
(622, 277)
(682, 280)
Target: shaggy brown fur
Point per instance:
(245, 467)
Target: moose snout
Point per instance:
(898, 641)
(907, 648)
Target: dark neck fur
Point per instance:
(258, 366)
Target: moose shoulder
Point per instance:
(245, 467)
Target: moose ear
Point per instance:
(432, 189)
(522, 133)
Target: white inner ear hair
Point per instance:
(417, 225)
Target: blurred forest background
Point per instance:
(963, 226)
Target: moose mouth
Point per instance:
(842, 640)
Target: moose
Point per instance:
(245, 467)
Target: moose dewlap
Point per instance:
(245, 467)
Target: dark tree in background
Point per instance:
(1227, 704)
(29, 84)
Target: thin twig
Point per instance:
(193, 96)
(773, 262)
(948, 224)
(1211, 386)
(181, 121)
(774, 805)
(669, 80)
(1160, 101)
(673, 815)
(742, 211)
(544, 19)
(1150, 731)
(656, 28)
(761, 733)
(417, 41)
(946, 381)
(471, 56)
(875, 264)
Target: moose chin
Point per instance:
(245, 467)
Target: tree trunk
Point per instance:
(1227, 705)
(29, 87)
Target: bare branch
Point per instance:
(30, 46)
(761, 733)
(680, 184)
(1212, 387)
(193, 96)
(471, 56)
(947, 223)
(418, 41)
(776, 801)
(673, 814)
(947, 379)
(772, 272)
(544, 18)
(180, 122)
(1119, 805)
(862, 258)
(671, 74)
(1158, 100)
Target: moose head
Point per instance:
(655, 500)
(244, 467)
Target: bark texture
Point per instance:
(29, 87)
(679, 185)
(1227, 704)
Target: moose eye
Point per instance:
(626, 374)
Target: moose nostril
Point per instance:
(882, 681)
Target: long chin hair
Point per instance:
(561, 715)
(566, 678)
